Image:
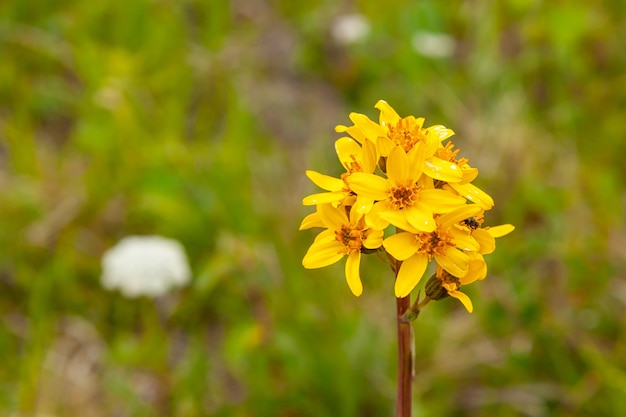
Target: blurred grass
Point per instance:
(195, 120)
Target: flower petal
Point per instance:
(474, 194)
(373, 239)
(348, 152)
(398, 166)
(440, 132)
(486, 241)
(323, 198)
(325, 182)
(410, 274)
(464, 212)
(369, 185)
(370, 129)
(420, 219)
(440, 201)
(388, 115)
(463, 298)
(401, 245)
(499, 231)
(352, 273)
(312, 220)
(332, 217)
(369, 156)
(322, 254)
(442, 170)
(454, 261)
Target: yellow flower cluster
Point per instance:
(400, 173)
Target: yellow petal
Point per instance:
(464, 212)
(370, 129)
(467, 303)
(499, 231)
(474, 194)
(373, 239)
(332, 217)
(373, 219)
(442, 170)
(348, 151)
(401, 245)
(384, 145)
(416, 160)
(486, 241)
(440, 132)
(410, 274)
(454, 261)
(369, 185)
(323, 198)
(469, 174)
(352, 273)
(353, 131)
(398, 166)
(477, 270)
(363, 205)
(369, 156)
(322, 254)
(464, 240)
(419, 219)
(440, 201)
(312, 220)
(325, 181)
(388, 115)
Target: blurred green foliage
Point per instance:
(195, 120)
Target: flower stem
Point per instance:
(405, 365)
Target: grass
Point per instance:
(196, 121)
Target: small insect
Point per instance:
(472, 223)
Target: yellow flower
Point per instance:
(355, 159)
(464, 186)
(393, 131)
(452, 284)
(401, 199)
(447, 244)
(343, 236)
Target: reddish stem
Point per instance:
(404, 358)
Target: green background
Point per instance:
(196, 120)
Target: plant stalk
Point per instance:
(405, 364)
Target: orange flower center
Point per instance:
(404, 195)
(447, 153)
(351, 237)
(434, 243)
(448, 281)
(406, 134)
(354, 165)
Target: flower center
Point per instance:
(448, 281)
(406, 133)
(447, 153)
(354, 165)
(434, 243)
(351, 237)
(404, 195)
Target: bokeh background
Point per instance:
(195, 120)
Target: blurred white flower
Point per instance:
(145, 265)
(433, 45)
(349, 28)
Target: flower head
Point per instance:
(400, 173)
(145, 265)
(446, 244)
(402, 199)
(345, 235)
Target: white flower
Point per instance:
(350, 28)
(433, 45)
(145, 265)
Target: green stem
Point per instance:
(405, 365)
